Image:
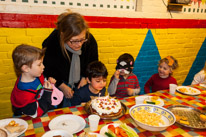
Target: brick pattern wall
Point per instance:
(179, 38)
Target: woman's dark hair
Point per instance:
(70, 24)
(96, 69)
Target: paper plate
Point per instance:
(83, 134)
(62, 133)
(105, 129)
(97, 135)
(203, 85)
(71, 123)
(5, 122)
(140, 100)
(188, 90)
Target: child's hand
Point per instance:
(47, 85)
(130, 91)
(52, 80)
(116, 74)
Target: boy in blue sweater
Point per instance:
(96, 76)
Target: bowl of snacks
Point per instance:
(152, 117)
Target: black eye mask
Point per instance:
(125, 65)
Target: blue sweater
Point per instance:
(83, 95)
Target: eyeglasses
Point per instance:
(78, 41)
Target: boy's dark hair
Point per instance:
(96, 69)
(25, 55)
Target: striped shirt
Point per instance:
(122, 85)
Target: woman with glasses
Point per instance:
(69, 49)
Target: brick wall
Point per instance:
(179, 38)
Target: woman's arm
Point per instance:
(68, 92)
(82, 82)
(56, 65)
(113, 85)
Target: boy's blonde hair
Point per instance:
(170, 61)
(25, 55)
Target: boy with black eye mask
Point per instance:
(124, 83)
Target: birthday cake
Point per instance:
(106, 106)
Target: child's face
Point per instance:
(124, 67)
(97, 84)
(164, 70)
(123, 72)
(37, 68)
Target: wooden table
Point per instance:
(38, 126)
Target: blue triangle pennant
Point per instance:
(197, 65)
(146, 63)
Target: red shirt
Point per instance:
(157, 83)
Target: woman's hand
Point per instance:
(68, 92)
(116, 74)
(82, 82)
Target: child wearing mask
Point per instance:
(124, 83)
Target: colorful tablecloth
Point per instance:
(38, 126)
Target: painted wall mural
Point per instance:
(146, 63)
(197, 65)
(147, 39)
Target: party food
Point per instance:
(120, 131)
(182, 119)
(3, 133)
(106, 106)
(148, 118)
(177, 118)
(189, 90)
(152, 100)
(203, 118)
(13, 127)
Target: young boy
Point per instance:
(124, 83)
(96, 77)
(31, 94)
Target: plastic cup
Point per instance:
(93, 122)
(173, 88)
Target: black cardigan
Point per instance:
(57, 66)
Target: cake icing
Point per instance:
(106, 105)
